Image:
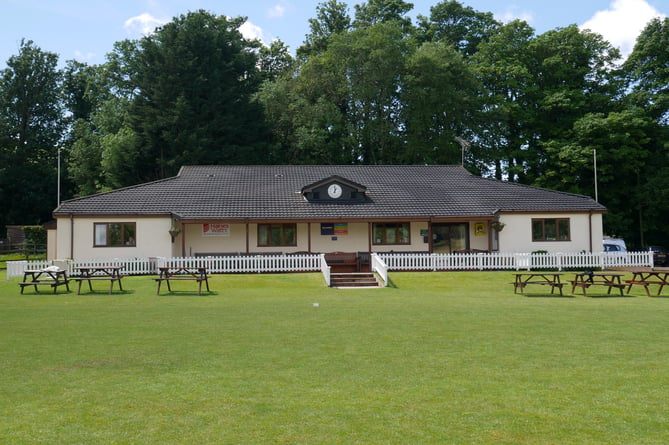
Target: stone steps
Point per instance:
(352, 280)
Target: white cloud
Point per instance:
(86, 57)
(512, 14)
(253, 32)
(622, 22)
(277, 11)
(143, 24)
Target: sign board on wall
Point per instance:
(329, 229)
(479, 229)
(215, 229)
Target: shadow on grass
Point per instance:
(608, 296)
(104, 292)
(186, 293)
(547, 296)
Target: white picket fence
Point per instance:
(389, 262)
(515, 261)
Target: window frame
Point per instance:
(128, 238)
(544, 235)
(284, 234)
(398, 226)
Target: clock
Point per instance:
(334, 191)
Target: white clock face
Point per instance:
(334, 191)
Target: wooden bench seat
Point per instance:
(52, 283)
(343, 261)
(197, 274)
(586, 284)
(45, 277)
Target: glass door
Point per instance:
(449, 238)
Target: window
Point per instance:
(277, 234)
(114, 234)
(391, 233)
(550, 230)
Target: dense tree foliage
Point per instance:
(375, 87)
(32, 126)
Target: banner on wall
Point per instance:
(216, 229)
(341, 229)
(334, 229)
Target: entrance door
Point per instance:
(448, 238)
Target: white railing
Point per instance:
(248, 263)
(391, 262)
(325, 270)
(515, 261)
(380, 267)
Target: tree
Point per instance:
(31, 126)
(462, 27)
(440, 101)
(647, 73)
(503, 67)
(274, 60)
(331, 19)
(375, 59)
(647, 69)
(195, 81)
(379, 11)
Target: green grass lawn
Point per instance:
(453, 358)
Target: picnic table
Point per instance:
(551, 279)
(609, 279)
(95, 273)
(645, 277)
(51, 276)
(198, 274)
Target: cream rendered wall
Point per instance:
(357, 240)
(517, 234)
(353, 241)
(51, 246)
(196, 242)
(153, 239)
(479, 241)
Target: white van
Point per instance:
(614, 245)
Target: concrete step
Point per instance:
(358, 279)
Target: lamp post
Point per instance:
(594, 156)
(58, 180)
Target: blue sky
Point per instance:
(86, 30)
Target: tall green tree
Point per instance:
(647, 69)
(331, 19)
(195, 81)
(503, 66)
(440, 101)
(647, 73)
(460, 26)
(31, 130)
(372, 12)
(274, 60)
